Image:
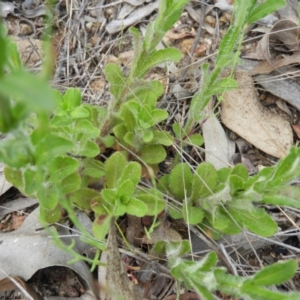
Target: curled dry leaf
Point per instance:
(11, 283)
(243, 114)
(285, 31)
(25, 251)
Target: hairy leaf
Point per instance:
(180, 181)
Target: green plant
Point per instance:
(205, 277)
(53, 148)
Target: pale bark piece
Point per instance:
(114, 280)
(4, 184)
(246, 116)
(136, 16)
(218, 148)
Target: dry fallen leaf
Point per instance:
(246, 116)
(218, 148)
(25, 251)
(286, 89)
(11, 283)
(285, 31)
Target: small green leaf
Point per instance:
(285, 196)
(175, 212)
(98, 206)
(50, 215)
(259, 292)
(114, 167)
(178, 131)
(236, 184)
(287, 169)
(14, 176)
(159, 115)
(202, 291)
(71, 183)
(137, 48)
(129, 138)
(48, 196)
(93, 168)
(277, 273)
(192, 214)
(79, 112)
(13, 57)
(265, 8)
(108, 141)
(83, 197)
(86, 127)
(136, 207)
(223, 85)
(255, 219)
(101, 226)
(62, 166)
(162, 137)
(120, 131)
(176, 249)
(88, 148)
(158, 57)
(194, 140)
(241, 171)
(110, 196)
(126, 188)
(204, 181)
(132, 171)
(218, 219)
(153, 200)
(52, 145)
(128, 113)
(116, 79)
(152, 154)
(18, 85)
(72, 98)
(180, 181)
(223, 174)
(32, 181)
(147, 136)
